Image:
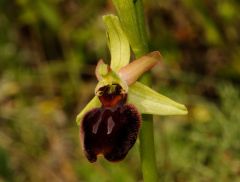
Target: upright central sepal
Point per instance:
(117, 42)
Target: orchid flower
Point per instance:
(110, 122)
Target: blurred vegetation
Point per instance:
(48, 52)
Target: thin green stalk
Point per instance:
(131, 15)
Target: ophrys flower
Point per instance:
(110, 122)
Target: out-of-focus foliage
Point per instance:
(48, 52)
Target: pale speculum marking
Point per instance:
(110, 125)
(96, 125)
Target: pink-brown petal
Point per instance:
(135, 69)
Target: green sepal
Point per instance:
(117, 42)
(149, 101)
(91, 105)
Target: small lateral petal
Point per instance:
(92, 104)
(148, 101)
(101, 70)
(135, 69)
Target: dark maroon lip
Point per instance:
(111, 129)
(111, 133)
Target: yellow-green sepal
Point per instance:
(117, 42)
(148, 101)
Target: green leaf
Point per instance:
(118, 42)
(92, 104)
(149, 101)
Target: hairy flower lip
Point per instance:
(110, 131)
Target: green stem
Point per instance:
(147, 151)
(131, 15)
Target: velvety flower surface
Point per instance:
(110, 122)
(112, 129)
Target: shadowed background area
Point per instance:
(48, 53)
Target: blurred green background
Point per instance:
(48, 53)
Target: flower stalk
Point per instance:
(132, 20)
